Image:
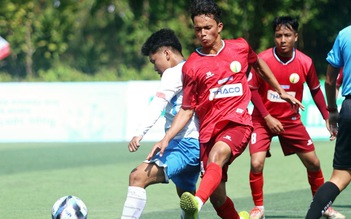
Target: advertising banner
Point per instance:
(97, 111)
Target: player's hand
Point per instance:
(295, 104)
(274, 124)
(134, 144)
(158, 147)
(332, 124)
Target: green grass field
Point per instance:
(33, 176)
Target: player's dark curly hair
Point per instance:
(287, 21)
(161, 38)
(206, 7)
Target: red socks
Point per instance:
(227, 210)
(209, 182)
(315, 179)
(256, 184)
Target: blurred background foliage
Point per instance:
(100, 40)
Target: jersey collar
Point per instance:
(219, 51)
(284, 63)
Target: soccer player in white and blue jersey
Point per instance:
(180, 161)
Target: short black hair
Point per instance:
(287, 21)
(206, 7)
(161, 38)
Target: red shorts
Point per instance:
(295, 138)
(236, 136)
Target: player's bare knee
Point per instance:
(135, 178)
(257, 166)
(312, 165)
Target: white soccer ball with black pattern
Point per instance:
(69, 207)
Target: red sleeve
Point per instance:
(318, 98)
(339, 78)
(252, 57)
(312, 78)
(258, 103)
(189, 89)
(254, 80)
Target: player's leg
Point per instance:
(223, 205)
(327, 193)
(259, 150)
(186, 182)
(209, 182)
(182, 165)
(141, 177)
(314, 172)
(296, 139)
(316, 179)
(229, 144)
(256, 184)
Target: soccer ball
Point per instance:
(69, 207)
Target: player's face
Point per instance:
(207, 31)
(160, 60)
(285, 39)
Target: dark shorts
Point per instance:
(235, 135)
(295, 138)
(342, 154)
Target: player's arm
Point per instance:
(319, 100)
(330, 89)
(153, 112)
(265, 72)
(272, 123)
(179, 122)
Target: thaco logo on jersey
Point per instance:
(273, 96)
(229, 90)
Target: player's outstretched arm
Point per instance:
(179, 122)
(265, 72)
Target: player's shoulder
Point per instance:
(173, 72)
(266, 53)
(302, 56)
(191, 61)
(346, 31)
(236, 41)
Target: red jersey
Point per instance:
(291, 76)
(339, 78)
(216, 86)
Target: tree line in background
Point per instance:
(100, 40)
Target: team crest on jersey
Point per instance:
(294, 78)
(235, 66)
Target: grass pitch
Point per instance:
(34, 175)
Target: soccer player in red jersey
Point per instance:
(273, 116)
(216, 88)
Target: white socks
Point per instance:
(199, 201)
(260, 207)
(135, 203)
